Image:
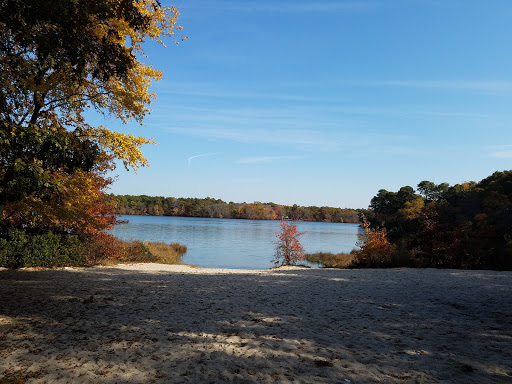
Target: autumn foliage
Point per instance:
(216, 208)
(58, 59)
(289, 250)
(468, 225)
(375, 249)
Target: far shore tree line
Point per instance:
(216, 208)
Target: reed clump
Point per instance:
(333, 260)
(135, 251)
(166, 253)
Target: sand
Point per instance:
(150, 323)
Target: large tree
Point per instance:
(468, 225)
(59, 58)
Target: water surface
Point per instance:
(230, 243)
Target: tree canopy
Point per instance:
(468, 225)
(59, 58)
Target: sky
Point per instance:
(326, 102)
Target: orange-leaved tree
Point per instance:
(289, 250)
(375, 249)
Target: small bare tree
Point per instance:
(289, 250)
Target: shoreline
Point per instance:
(172, 323)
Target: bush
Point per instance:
(375, 249)
(101, 248)
(21, 249)
(289, 251)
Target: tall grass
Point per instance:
(333, 260)
(136, 251)
(166, 253)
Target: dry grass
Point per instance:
(166, 253)
(332, 260)
(135, 251)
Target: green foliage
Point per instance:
(28, 154)
(432, 192)
(467, 225)
(21, 249)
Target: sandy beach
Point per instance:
(151, 323)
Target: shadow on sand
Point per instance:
(113, 325)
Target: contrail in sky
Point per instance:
(206, 154)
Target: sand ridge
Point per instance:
(158, 323)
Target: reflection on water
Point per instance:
(227, 243)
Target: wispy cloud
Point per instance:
(303, 124)
(307, 141)
(203, 155)
(502, 152)
(264, 159)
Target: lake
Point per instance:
(230, 243)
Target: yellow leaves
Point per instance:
(162, 22)
(122, 146)
(130, 97)
(412, 209)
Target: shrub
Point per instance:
(289, 251)
(100, 247)
(21, 249)
(375, 249)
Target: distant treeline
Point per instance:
(215, 208)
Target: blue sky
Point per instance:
(326, 102)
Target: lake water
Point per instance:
(229, 243)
